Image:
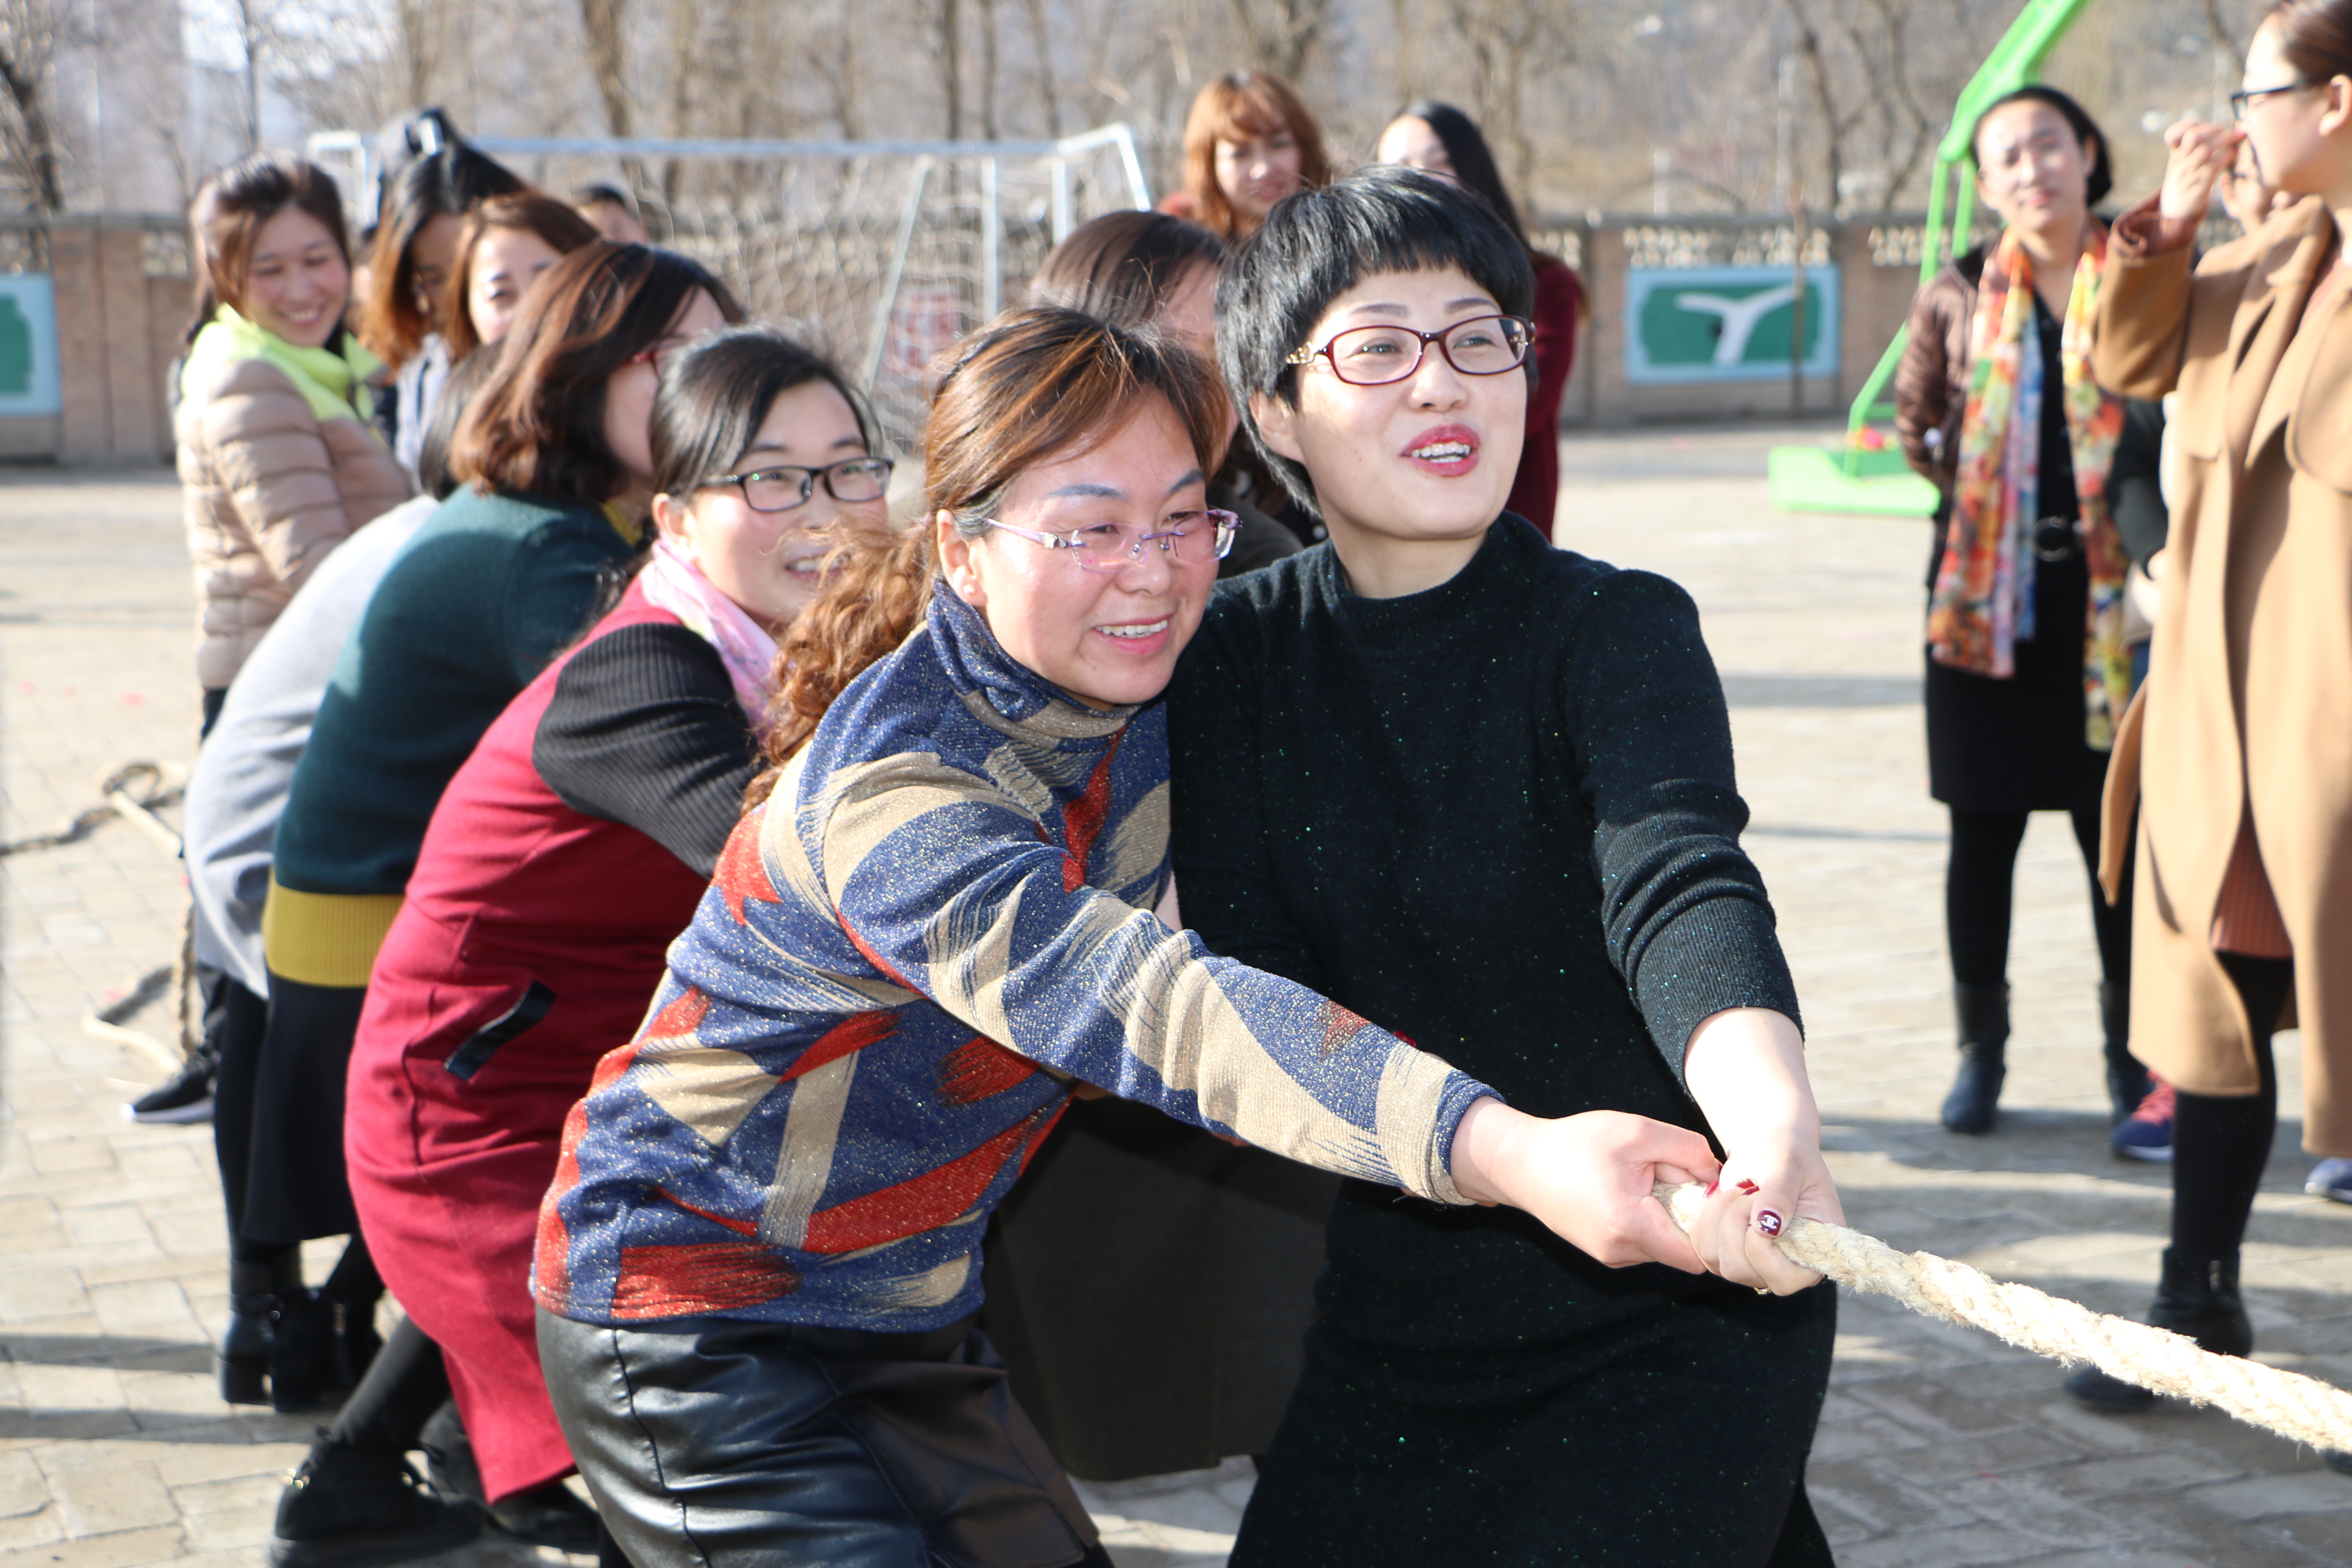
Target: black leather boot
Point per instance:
(243, 1359)
(348, 1509)
(546, 1516)
(2196, 1296)
(1982, 1006)
(2127, 1082)
(302, 1353)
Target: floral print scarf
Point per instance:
(1982, 603)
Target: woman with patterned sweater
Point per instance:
(759, 1263)
(564, 857)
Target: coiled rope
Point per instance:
(2287, 1403)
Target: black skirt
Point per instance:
(2017, 744)
(1672, 1438)
(296, 1188)
(1148, 1286)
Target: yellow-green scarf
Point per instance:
(334, 381)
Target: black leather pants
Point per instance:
(711, 1442)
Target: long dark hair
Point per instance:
(446, 181)
(716, 394)
(1125, 267)
(2086, 132)
(538, 426)
(1472, 160)
(230, 207)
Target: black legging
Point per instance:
(1980, 887)
(404, 1385)
(2220, 1142)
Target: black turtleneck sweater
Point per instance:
(1499, 818)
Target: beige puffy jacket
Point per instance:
(271, 488)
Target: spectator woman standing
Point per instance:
(276, 450)
(503, 246)
(2236, 753)
(1442, 140)
(2027, 671)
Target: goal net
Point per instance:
(882, 253)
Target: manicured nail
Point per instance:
(1750, 1188)
(1712, 1184)
(1767, 1222)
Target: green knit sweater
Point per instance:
(488, 592)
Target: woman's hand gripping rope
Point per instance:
(2300, 1408)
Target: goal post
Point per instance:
(884, 253)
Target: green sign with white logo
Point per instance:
(1727, 324)
(28, 346)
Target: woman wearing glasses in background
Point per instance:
(564, 857)
(2236, 752)
(759, 1265)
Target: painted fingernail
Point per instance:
(1750, 1188)
(1712, 1184)
(1767, 1222)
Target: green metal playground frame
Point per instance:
(1811, 478)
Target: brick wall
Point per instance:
(121, 291)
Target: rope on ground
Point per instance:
(156, 786)
(133, 792)
(2301, 1408)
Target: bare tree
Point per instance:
(1041, 42)
(1505, 44)
(605, 22)
(949, 14)
(30, 33)
(1282, 33)
(1834, 123)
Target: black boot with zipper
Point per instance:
(1982, 1006)
(2196, 1296)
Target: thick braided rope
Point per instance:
(2287, 1403)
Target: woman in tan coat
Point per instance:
(2238, 752)
(277, 453)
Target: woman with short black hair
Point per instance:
(2027, 670)
(1480, 791)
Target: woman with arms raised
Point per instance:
(2235, 751)
(1481, 790)
(758, 1264)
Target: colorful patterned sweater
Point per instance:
(939, 920)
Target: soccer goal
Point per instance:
(885, 253)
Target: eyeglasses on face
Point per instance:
(2245, 98)
(787, 486)
(658, 354)
(1374, 356)
(1192, 538)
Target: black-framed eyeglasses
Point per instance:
(2244, 98)
(786, 486)
(1114, 547)
(1374, 356)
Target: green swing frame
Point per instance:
(1877, 481)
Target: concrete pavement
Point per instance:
(1939, 1446)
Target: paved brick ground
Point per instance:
(1937, 1448)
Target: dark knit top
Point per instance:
(1497, 817)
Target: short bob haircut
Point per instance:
(230, 207)
(1317, 244)
(1125, 267)
(534, 212)
(538, 425)
(1246, 103)
(716, 394)
(2087, 133)
(447, 181)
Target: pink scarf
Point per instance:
(673, 581)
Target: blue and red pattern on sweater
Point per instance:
(939, 920)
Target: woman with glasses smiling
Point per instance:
(564, 857)
(1480, 791)
(2234, 753)
(758, 1263)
